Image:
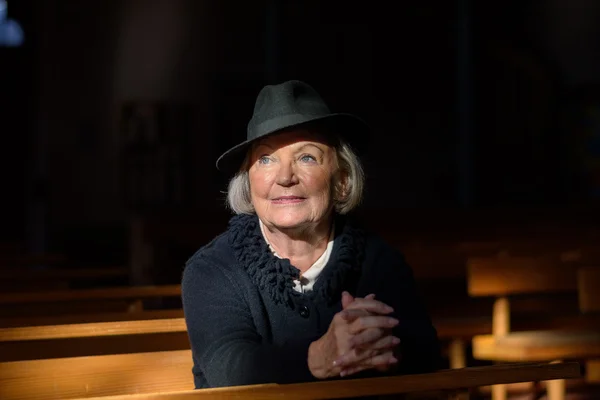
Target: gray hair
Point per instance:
(349, 183)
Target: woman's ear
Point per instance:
(341, 185)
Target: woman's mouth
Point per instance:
(288, 200)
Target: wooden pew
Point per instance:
(453, 384)
(16, 274)
(26, 265)
(30, 279)
(90, 318)
(73, 377)
(458, 316)
(89, 339)
(588, 281)
(111, 333)
(81, 335)
(82, 300)
(167, 375)
(114, 333)
(505, 278)
(92, 329)
(447, 259)
(125, 292)
(95, 334)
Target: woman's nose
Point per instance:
(286, 176)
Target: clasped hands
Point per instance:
(359, 338)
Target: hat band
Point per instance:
(280, 123)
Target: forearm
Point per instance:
(248, 363)
(419, 350)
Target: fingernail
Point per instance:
(389, 309)
(393, 322)
(395, 340)
(393, 360)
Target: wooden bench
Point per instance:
(115, 333)
(27, 265)
(159, 372)
(72, 301)
(505, 278)
(441, 260)
(16, 274)
(458, 316)
(84, 318)
(588, 281)
(108, 333)
(93, 334)
(90, 339)
(29, 279)
(450, 384)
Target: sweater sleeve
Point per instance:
(225, 343)
(394, 284)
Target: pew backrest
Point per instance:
(120, 328)
(148, 376)
(505, 276)
(86, 318)
(74, 295)
(78, 301)
(88, 339)
(65, 274)
(588, 280)
(80, 377)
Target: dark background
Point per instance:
(119, 108)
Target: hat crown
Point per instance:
(288, 105)
(289, 99)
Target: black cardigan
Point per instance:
(247, 325)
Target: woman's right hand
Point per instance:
(358, 336)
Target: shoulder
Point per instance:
(380, 256)
(375, 246)
(212, 264)
(220, 250)
(217, 263)
(216, 249)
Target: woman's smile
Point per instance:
(288, 200)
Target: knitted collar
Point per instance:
(276, 276)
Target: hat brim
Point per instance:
(349, 127)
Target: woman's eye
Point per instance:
(264, 160)
(307, 158)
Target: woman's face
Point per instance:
(291, 179)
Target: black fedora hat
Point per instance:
(292, 104)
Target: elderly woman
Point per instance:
(292, 291)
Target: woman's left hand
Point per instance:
(367, 344)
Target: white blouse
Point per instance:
(308, 278)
